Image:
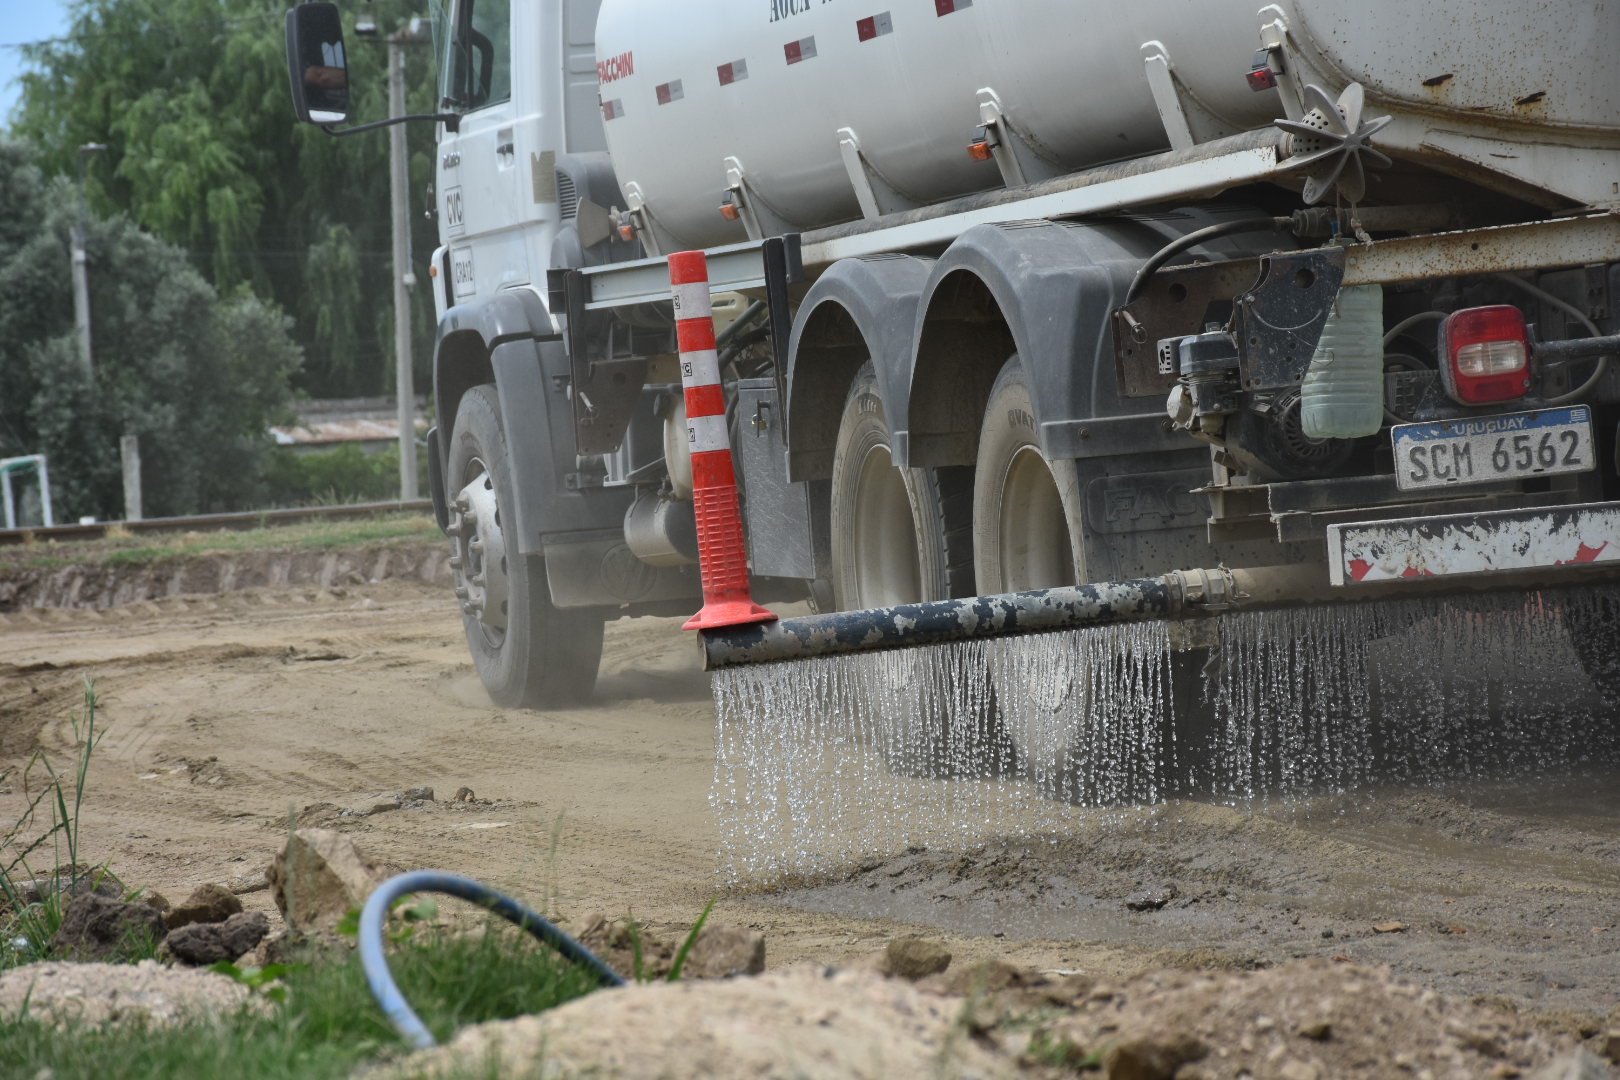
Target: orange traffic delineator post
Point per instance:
(722, 552)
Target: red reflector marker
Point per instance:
(1260, 75)
(1487, 354)
(801, 50)
(874, 26)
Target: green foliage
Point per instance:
(686, 946)
(265, 980)
(327, 478)
(326, 1024)
(195, 376)
(190, 97)
(36, 921)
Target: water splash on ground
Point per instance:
(828, 763)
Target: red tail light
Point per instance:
(1487, 354)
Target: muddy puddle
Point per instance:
(1506, 887)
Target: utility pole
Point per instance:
(404, 278)
(81, 273)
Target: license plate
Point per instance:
(461, 271)
(1481, 449)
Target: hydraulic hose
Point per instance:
(1579, 316)
(375, 962)
(1193, 239)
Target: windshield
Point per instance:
(477, 71)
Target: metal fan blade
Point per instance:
(1317, 98)
(1320, 183)
(1353, 179)
(1305, 161)
(1295, 127)
(1350, 106)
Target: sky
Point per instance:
(21, 21)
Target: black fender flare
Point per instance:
(509, 341)
(1053, 287)
(858, 308)
(1048, 291)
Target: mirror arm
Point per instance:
(452, 123)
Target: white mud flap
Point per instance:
(1459, 545)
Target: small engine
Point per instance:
(1260, 432)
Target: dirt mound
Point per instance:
(107, 585)
(108, 993)
(789, 1025)
(1305, 1021)
(1296, 1022)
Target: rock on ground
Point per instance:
(87, 881)
(723, 951)
(101, 928)
(109, 993)
(206, 904)
(318, 877)
(790, 1024)
(915, 958)
(204, 943)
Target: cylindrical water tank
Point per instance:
(770, 83)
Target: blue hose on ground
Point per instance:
(375, 914)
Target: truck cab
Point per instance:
(500, 196)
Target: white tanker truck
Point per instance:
(1027, 293)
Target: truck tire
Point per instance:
(1026, 535)
(1026, 510)
(899, 536)
(528, 653)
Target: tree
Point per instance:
(197, 377)
(191, 99)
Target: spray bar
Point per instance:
(1181, 594)
(906, 625)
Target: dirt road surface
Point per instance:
(229, 716)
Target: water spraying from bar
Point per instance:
(827, 763)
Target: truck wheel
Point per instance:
(899, 536)
(528, 653)
(1026, 535)
(1026, 510)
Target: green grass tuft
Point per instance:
(328, 1024)
(22, 847)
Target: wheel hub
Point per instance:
(478, 553)
(887, 567)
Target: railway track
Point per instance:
(252, 519)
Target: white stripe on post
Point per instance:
(692, 301)
(706, 433)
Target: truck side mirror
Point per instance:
(317, 64)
